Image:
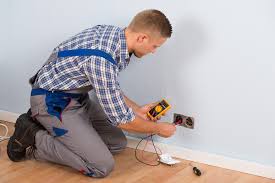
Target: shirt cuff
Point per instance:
(123, 118)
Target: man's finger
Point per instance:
(153, 104)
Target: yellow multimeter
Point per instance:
(159, 109)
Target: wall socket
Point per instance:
(182, 120)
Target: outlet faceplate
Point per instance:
(182, 120)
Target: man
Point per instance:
(83, 133)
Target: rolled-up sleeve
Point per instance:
(103, 77)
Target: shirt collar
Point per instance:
(124, 54)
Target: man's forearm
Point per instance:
(130, 103)
(140, 125)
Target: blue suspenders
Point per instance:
(86, 52)
(77, 52)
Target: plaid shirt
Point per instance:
(80, 71)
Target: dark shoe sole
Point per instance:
(23, 137)
(14, 156)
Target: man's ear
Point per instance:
(142, 37)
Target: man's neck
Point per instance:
(129, 39)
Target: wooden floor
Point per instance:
(127, 169)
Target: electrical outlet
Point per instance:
(182, 120)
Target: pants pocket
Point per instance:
(38, 105)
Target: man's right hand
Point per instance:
(165, 129)
(139, 125)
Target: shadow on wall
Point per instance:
(187, 42)
(177, 56)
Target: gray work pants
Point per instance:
(82, 139)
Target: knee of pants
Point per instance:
(106, 167)
(123, 142)
(118, 145)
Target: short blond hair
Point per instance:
(152, 21)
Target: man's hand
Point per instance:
(142, 111)
(139, 125)
(166, 129)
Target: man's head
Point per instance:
(147, 31)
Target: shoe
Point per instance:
(23, 137)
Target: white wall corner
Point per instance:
(8, 116)
(210, 159)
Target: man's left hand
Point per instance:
(142, 111)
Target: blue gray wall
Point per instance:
(218, 66)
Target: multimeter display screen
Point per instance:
(158, 108)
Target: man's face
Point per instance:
(147, 44)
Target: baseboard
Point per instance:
(188, 154)
(8, 116)
(210, 159)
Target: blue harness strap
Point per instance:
(40, 91)
(56, 101)
(86, 52)
(77, 52)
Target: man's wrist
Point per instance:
(137, 111)
(131, 103)
(156, 129)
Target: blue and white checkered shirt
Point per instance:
(75, 72)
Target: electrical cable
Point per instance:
(156, 164)
(5, 137)
(147, 142)
(196, 170)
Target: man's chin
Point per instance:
(138, 55)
